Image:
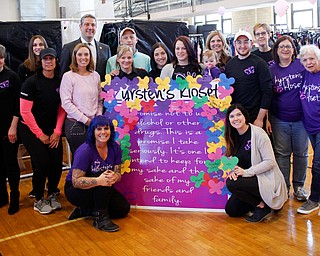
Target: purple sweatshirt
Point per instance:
(286, 84)
(310, 98)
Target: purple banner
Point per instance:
(171, 135)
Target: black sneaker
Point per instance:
(259, 214)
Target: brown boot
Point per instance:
(102, 221)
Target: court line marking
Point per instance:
(38, 230)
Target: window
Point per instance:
(302, 15)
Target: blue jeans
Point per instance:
(290, 138)
(315, 170)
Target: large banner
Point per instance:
(171, 135)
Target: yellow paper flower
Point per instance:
(217, 126)
(163, 84)
(143, 83)
(125, 167)
(134, 104)
(193, 82)
(107, 81)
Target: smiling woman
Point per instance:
(80, 95)
(41, 129)
(90, 182)
(184, 61)
(124, 60)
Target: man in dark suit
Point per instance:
(100, 52)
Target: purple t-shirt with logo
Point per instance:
(286, 84)
(310, 98)
(87, 159)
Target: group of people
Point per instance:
(273, 92)
(278, 92)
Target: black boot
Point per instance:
(14, 202)
(102, 221)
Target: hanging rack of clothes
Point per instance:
(197, 41)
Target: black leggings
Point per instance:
(47, 161)
(98, 198)
(245, 195)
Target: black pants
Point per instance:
(76, 133)
(9, 168)
(47, 161)
(245, 195)
(98, 198)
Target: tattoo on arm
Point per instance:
(80, 181)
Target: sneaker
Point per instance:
(308, 207)
(54, 202)
(31, 194)
(259, 214)
(300, 194)
(43, 206)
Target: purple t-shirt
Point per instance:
(310, 98)
(286, 84)
(87, 159)
(213, 72)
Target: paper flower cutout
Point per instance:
(198, 179)
(213, 166)
(134, 104)
(199, 102)
(205, 81)
(143, 83)
(216, 186)
(183, 84)
(226, 82)
(107, 81)
(180, 106)
(110, 105)
(193, 82)
(163, 84)
(213, 136)
(125, 167)
(147, 106)
(163, 105)
(123, 131)
(229, 163)
(208, 112)
(223, 92)
(216, 155)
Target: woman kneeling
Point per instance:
(257, 183)
(90, 182)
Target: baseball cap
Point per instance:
(48, 51)
(126, 29)
(242, 33)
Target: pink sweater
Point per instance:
(80, 95)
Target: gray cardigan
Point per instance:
(272, 186)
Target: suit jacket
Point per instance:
(103, 54)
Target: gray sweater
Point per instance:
(272, 186)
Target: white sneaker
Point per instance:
(43, 206)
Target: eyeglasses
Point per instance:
(261, 34)
(288, 47)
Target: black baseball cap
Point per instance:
(48, 51)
